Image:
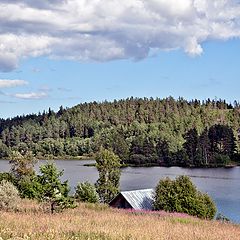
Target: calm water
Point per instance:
(221, 184)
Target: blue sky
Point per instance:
(40, 69)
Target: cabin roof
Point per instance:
(139, 199)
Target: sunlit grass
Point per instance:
(89, 221)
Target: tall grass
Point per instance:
(93, 222)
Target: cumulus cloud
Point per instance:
(5, 83)
(102, 30)
(31, 95)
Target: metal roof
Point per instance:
(139, 199)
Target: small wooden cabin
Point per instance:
(137, 200)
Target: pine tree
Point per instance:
(163, 152)
(191, 146)
(222, 140)
(205, 153)
(53, 190)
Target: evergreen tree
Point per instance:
(149, 150)
(53, 190)
(4, 150)
(191, 146)
(222, 141)
(205, 154)
(163, 152)
(120, 146)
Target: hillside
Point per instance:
(134, 128)
(99, 222)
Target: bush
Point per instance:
(9, 196)
(181, 195)
(86, 192)
(7, 177)
(29, 187)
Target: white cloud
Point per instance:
(5, 83)
(31, 95)
(101, 30)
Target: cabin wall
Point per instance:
(120, 202)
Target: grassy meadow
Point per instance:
(89, 221)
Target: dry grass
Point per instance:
(98, 222)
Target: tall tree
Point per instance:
(120, 146)
(108, 166)
(149, 150)
(191, 145)
(205, 154)
(163, 152)
(222, 140)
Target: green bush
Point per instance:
(30, 187)
(181, 195)
(9, 196)
(86, 192)
(7, 177)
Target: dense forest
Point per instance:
(141, 131)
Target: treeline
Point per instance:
(141, 131)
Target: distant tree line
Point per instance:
(140, 131)
(215, 146)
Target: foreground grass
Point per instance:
(98, 222)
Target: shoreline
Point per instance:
(125, 165)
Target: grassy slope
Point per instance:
(98, 222)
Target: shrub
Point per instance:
(181, 195)
(30, 187)
(86, 192)
(7, 177)
(9, 196)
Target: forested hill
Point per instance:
(141, 131)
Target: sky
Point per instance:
(65, 52)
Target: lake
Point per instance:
(222, 184)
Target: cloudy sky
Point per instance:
(63, 52)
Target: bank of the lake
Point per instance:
(222, 184)
(98, 222)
